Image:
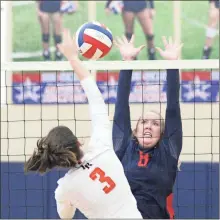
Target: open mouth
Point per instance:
(148, 134)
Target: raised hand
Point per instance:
(68, 46)
(172, 50)
(127, 49)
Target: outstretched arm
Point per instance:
(101, 125)
(122, 125)
(121, 122)
(173, 124)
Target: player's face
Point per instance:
(148, 130)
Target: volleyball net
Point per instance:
(36, 96)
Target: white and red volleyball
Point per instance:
(116, 7)
(94, 40)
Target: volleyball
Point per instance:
(67, 7)
(116, 7)
(94, 40)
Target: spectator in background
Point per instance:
(211, 31)
(49, 11)
(144, 11)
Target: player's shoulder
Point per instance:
(69, 176)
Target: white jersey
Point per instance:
(98, 187)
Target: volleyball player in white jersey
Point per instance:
(95, 183)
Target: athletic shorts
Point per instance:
(50, 6)
(217, 3)
(135, 6)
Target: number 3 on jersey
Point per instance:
(97, 172)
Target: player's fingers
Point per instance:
(125, 39)
(74, 37)
(115, 41)
(180, 47)
(119, 40)
(159, 50)
(165, 43)
(132, 39)
(141, 47)
(74, 40)
(65, 30)
(116, 44)
(64, 35)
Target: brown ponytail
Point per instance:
(59, 149)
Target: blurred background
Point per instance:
(192, 16)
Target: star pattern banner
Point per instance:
(146, 87)
(200, 86)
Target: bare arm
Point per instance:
(81, 72)
(101, 125)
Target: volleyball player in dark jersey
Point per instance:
(211, 30)
(49, 11)
(144, 11)
(150, 152)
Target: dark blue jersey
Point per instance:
(151, 172)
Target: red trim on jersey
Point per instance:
(143, 159)
(170, 206)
